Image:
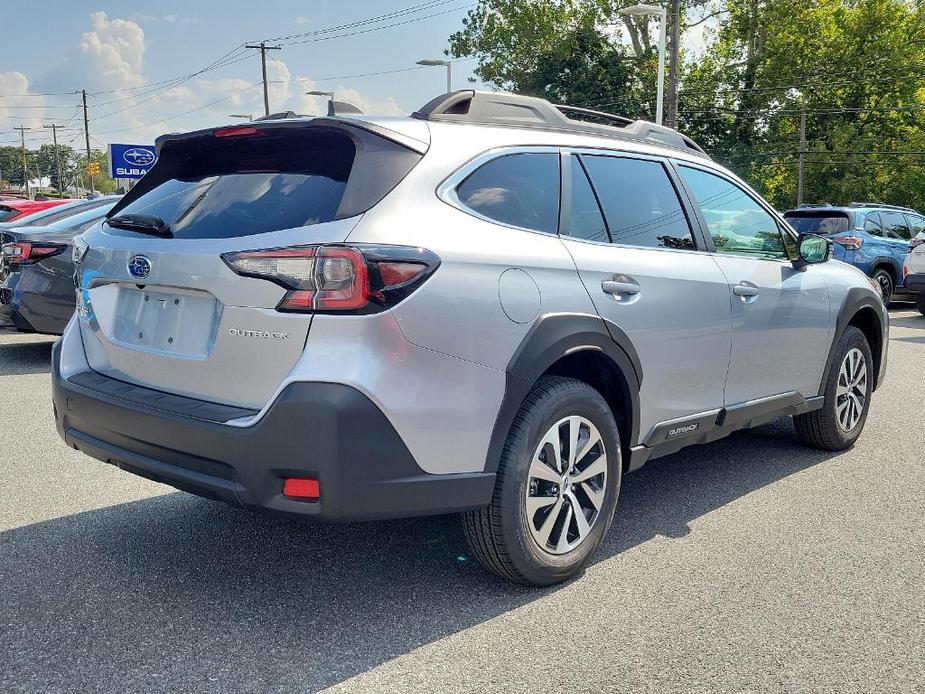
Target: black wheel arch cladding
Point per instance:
(552, 339)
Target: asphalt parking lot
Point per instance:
(751, 565)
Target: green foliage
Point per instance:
(858, 67)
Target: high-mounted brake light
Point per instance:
(336, 278)
(237, 131)
(852, 243)
(24, 252)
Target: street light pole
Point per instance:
(433, 62)
(643, 10)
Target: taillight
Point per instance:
(237, 131)
(338, 279)
(24, 253)
(852, 243)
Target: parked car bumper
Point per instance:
(32, 301)
(915, 283)
(324, 431)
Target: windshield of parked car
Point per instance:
(824, 223)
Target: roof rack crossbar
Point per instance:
(516, 110)
(881, 204)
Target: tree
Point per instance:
(11, 165)
(44, 162)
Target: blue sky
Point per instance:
(132, 46)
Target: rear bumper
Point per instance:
(327, 431)
(915, 283)
(32, 304)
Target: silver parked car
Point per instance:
(496, 306)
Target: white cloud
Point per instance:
(111, 57)
(303, 20)
(166, 18)
(25, 111)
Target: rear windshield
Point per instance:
(7, 213)
(818, 222)
(279, 179)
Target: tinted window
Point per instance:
(737, 223)
(517, 189)
(916, 224)
(82, 220)
(872, 224)
(250, 185)
(895, 225)
(818, 222)
(639, 201)
(55, 214)
(585, 219)
(7, 213)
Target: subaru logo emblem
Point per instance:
(139, 267)
(139, 157)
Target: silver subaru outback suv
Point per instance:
(495, 306)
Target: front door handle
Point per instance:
(614, 287)
(747, 291)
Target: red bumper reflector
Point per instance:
(301, 488)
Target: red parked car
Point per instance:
(16, 209)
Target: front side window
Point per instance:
(737, 223)
(640, 203)
(895, 225)
(916, 224)
(521, 190)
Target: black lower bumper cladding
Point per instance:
(325, 431)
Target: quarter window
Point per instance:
(517, 189)
(640, 203)
(737, 223)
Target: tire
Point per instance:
(885, 280)
(500, 534)
(920, 303)
(826, 428)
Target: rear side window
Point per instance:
(521, 190)
(585, 219)
(895, 225)
(7, 213)
(281, 178)
(872, 224)
(818, 222)
(640, 202)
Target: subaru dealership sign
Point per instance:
(131, 161)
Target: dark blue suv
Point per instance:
(871, 236)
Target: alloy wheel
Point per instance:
(566, 485)
(851, 390)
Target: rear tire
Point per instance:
(840, 421)
(885, 280)
(550, 471)
(920, 303)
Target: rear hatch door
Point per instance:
(158, 305)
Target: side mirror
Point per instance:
(812, 249)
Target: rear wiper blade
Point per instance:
(142, 223)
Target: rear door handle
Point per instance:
(747, 291)
(614, 287)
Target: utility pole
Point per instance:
(674, 12)
(54, 137)
(802, 161)
(263, 64)
(87, 137)
(25, 169)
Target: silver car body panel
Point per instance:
(436, 363)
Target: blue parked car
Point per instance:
(871, 236)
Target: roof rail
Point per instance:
(881, 204)
(516, 110)
(814, 204)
